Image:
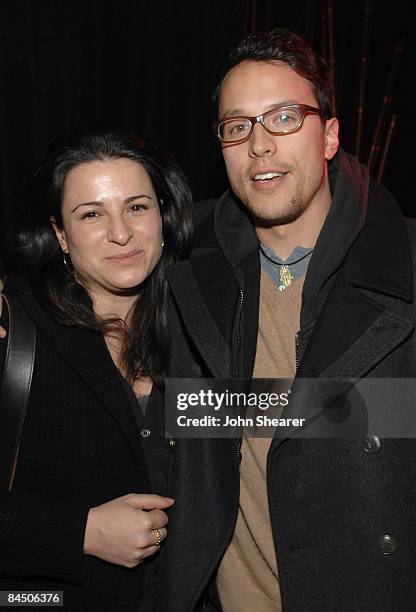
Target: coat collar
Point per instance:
(234, 229)
(197, 312)
(381, 260)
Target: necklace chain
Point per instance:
(285, 276)
(286, 263)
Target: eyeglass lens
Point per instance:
(278, 121)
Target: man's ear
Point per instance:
(60, 234)
(331, 138)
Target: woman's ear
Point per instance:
(60, 234)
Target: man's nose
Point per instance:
(119, 230)
(261, 142)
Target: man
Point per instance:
(304, 265)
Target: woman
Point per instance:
(107, 214)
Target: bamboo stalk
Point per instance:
(331, 50)
(385, 106)
(387, 147)
(364, 63)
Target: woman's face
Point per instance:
(112, 228)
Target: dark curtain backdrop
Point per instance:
(150, 66)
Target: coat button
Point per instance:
(387, 544)
(145, 433)
(172, 443)
(372, 445)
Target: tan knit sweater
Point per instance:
(248, 577)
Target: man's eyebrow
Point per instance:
(98, 203)
(240, 112)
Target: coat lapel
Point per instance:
(385, 333)
(86, 353)
(198, 307)
(365, 333)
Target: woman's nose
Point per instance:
(119, 230)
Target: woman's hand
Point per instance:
(122, 531)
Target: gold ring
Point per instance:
(158, 537)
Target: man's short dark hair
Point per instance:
(284, 46)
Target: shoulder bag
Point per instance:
(15, 387)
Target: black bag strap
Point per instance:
(15, 388)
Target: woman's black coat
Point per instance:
(81, 447)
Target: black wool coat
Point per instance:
(81, 447)
(342, 510)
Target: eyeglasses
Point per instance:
(278, 121)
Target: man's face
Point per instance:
(249, 89)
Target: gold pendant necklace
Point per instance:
(284, 273)
(285, 276)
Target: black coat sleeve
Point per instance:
(41, 537)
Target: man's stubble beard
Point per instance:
(277, 213)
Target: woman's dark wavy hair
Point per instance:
(38, 255)
(289, 47)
